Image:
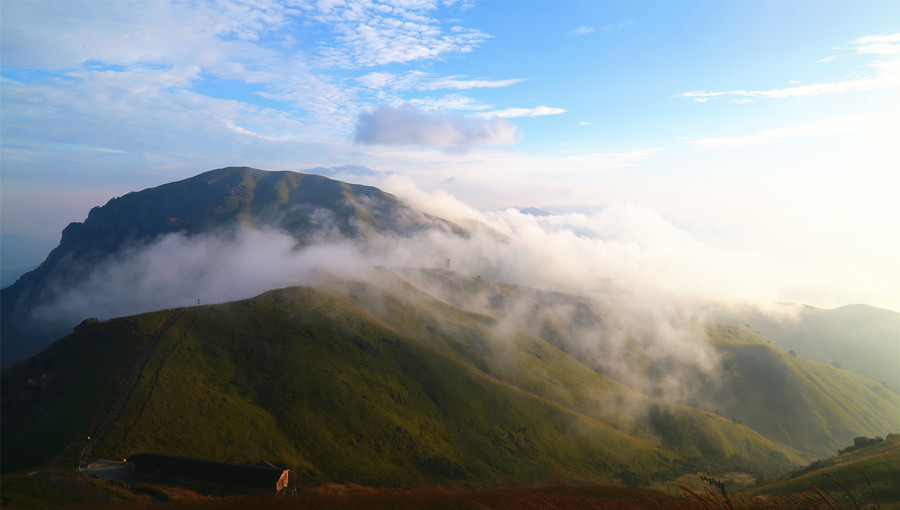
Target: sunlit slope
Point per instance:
(862, 339)
(813, 407)
(870, 475)
(809, 406)
(693, 439)
(303, 378)
(299, 378)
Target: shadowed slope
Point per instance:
(308, 207)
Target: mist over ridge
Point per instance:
(415, 307)
(258, 236)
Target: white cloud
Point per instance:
(817, 89)
(64, 35)
(878, 44)
(448, 102)
(582, 30)
(220, 42)
(370, 34)
(509, 113)
(406, 125)
(142, 113)
(377, 80)
(421, 81)
(886, 77)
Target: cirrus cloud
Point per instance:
(509, 113)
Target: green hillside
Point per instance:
(809, 406)
(424, 376)
(869, 475)
(862, 339)
(305, 378)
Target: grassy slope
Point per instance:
(809, 406)
(83, 374)
(381, 383)
(325, 388)
(813, 407)
(541, 368)
(879, 462)
(862, 339)
(303, 378)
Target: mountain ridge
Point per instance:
(418, 375)
(525, 428)
(307, 207)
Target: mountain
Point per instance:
(377, 381)
(859, 338)
(424, 393)
(307, 207)
(385, 376)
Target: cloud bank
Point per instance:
(647, 278)
(626, 251)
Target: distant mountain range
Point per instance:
(400, 375)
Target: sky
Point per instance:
(768, 130)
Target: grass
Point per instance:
(865, 476)
(812, 407)
(305, 379)
(713, 496)
(380, 383)
(84, 373)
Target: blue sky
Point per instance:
(766, 129)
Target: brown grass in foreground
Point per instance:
(558, 497)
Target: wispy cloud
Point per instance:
(886, 76)
(582, 30)
(422, 81)
(117, 70)
(509, 113)
(878, 44)
(406, 125)
(816, 89)
(449, 102)
(370, 34)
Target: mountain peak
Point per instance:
(305, 206)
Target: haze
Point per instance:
(731, 148)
